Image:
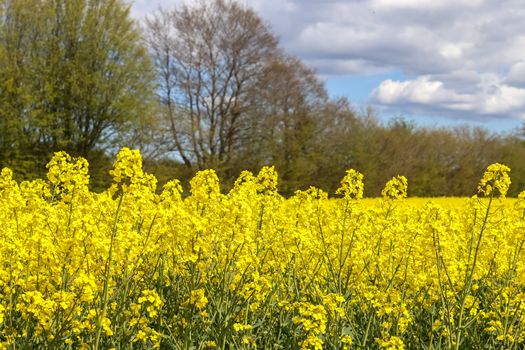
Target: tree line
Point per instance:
(206, 85)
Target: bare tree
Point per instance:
(288, 118)
(210, 58)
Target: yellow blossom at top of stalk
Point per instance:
(171, 192)
(395, 188)
(127, 172)
(495, 177)
(128, 165)
(205, 185)
(267, 180)
(6, 180)
(67, 173)
(8, 187)
(245, 184)
(245, 177)
(352, 186)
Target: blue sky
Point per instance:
(436, 62)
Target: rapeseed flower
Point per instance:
(252, 269)
(352, 186)
(395, 188)
(495, 178)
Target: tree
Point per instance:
(287, 122)
(76, 76)
(210, 58)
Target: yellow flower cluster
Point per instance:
(495, 178)
(313, 319)
(198, 299)
(352, 186)
(137, 268)
(395, 188)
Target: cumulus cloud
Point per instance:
(516, 75)
(462, 58)
(420, 91)
(489, 99)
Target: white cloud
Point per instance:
(516, 75)
(505, 100)
(454, 51)
(418, 4)
(462, 57)
(491, 98)
(423, 90)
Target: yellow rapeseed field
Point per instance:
(137, 268)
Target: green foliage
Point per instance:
(76, 78)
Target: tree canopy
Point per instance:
(76, 77)
(205, 84)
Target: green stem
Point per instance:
(107, 272)
(470, 274)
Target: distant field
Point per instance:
(445, 202)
